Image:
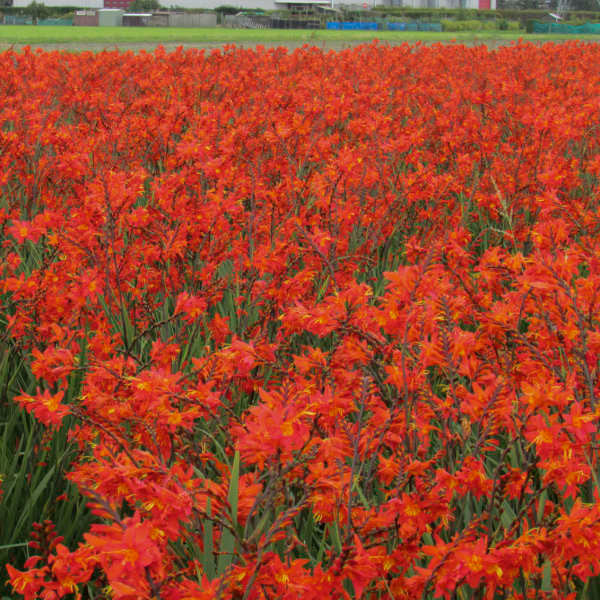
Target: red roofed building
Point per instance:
(123, 4)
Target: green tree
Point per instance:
(144, 5)
(37, 11)
(585, 5)
(226, 9)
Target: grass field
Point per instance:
(80, 37)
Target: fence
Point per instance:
(24, 20)
(192, 20)
(565, 28)
(66, 22)
(277, 23)
(373, 26)
(247, 21)
(351, 25)
(414, 26)
(17, 20)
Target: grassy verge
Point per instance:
(32, 35)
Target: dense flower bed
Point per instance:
(321, 325)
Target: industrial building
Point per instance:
(197, 4)
(56, 3)
(269, 4)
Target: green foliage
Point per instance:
(227, 9)
(476, 25)
(33, 462)
(37, 11)
(227, 546)
(55, 11)
(144, 5)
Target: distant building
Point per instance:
(200, 4)
(269, 4)
(86, 18)
(206, 4)
(122, 4)
(77, 3)
(242, 4)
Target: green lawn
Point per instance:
(116, 36)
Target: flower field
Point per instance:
(301, 325)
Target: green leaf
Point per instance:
(547, 577)
(227, 546)
(321, 551)
(361, 494)
(9, 546)
(208, 559)
(508, 515)
(541, 505)
(128, 329)
(232, 497)
(335, 536)
(467, 513)
(260, 525)
(41, 487)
